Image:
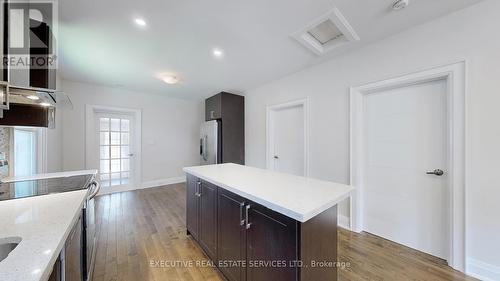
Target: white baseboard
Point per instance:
(344, 222)
(160, 182)
(147, 184)
(483, 271)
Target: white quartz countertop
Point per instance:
(43, 223)
(50, 175)
(297, 197)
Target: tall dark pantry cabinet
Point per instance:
(229, 111)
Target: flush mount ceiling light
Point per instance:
(218, 53)
(33, 97)
(326, 33)
(400, 4)
(170, 79)
(140, 22)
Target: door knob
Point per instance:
(437, 172)
(276, 157)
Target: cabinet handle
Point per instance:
(248, 224)
(242, 221)
(198, 189)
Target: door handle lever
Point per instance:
(437, 172)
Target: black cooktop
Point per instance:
(30, 188)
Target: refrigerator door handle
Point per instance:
(201, 146)
(205, 152)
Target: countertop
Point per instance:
(43, 223)
(299, 198)
(50, 175)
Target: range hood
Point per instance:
(30, 106)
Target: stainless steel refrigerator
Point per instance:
(210, 149)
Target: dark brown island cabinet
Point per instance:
(250, 242)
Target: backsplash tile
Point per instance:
(4, 149)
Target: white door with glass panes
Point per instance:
(116, 149)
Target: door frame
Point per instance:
(90, 111)
(455, 76)
(270, 111)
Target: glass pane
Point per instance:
(104, 166)
(115, 182)
(125, 138)
(125, 164)
(125, 151)
(115, 138)
(104, 124)
(115, 165)
(115, 176)
(115, 124)
(104, 177)
(125, 181)
(104, 183)
(104, 152)
(125, 125)
(125, 175)
(115, 151)
(104, 138)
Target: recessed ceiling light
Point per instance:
(218, 53)
(33, 97)
(45, 104)
(140, 22)
(170, 79)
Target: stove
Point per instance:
(58, 183)
(29, 188)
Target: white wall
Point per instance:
(170, 129)
(54, 140)
(470, 34)
(54, 145)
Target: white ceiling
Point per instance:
(99, 42)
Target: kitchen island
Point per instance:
(257, 224)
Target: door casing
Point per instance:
(41, 134)
(455, 76)
(90, 143)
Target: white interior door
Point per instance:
(406, 136)
(115, 135)
(288, 141)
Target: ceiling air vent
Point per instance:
(326, 33)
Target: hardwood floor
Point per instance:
(142, 236)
